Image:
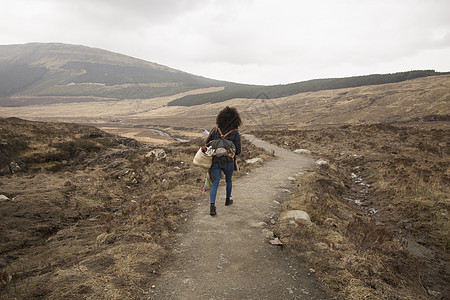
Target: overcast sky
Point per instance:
(246, 41)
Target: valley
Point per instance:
(415, 100)
(89, 210)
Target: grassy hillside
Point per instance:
(32, 73)
(15, 78)
(68, 70)
(379, 209)
(277, 91)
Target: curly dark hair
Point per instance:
(228, 118)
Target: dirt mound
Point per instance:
(28, 146)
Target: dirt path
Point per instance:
(228, 256)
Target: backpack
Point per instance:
(223, 149)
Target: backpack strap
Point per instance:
(209, 135)
(225, 134)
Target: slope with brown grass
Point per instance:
(87, 214)
(379, 208)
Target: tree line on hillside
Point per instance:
(233, 91)
(40, 81)
(15, 78)
(109, 74)
(130, 92)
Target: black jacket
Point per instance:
(234, 136)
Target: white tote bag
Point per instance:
(203, 159)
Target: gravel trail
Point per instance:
(227, 256)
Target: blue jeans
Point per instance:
(228, 169)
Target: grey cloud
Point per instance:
(245, 40)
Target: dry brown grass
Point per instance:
(101, 225)
(84, 206)
(400, 251)
(398, 102)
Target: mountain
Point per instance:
(39, 74)
(61, 70)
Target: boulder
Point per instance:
(157, 153)
(295, 214)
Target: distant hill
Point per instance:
(277, 91)
(61, 70)
(38, 74)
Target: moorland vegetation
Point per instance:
(379, 209)
(86, 214)
(86, 74)
(80, 208)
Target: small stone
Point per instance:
(153, 286)
(3, 198)
(372, 211)
(254, 160)
(14, 167)
(311, 271)
(276, 241)
(302, 151)
(321, 162)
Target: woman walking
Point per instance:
(227, 121)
